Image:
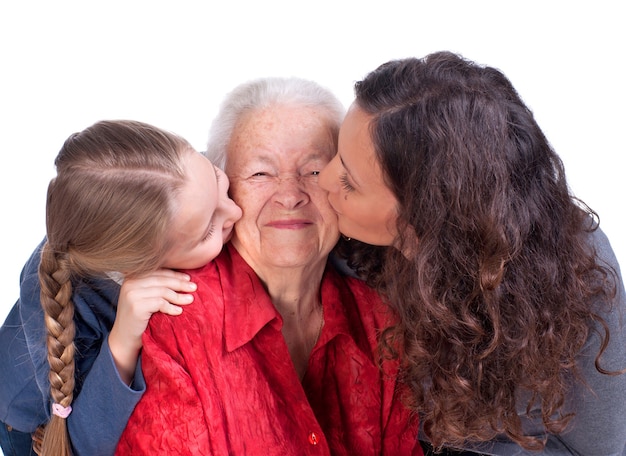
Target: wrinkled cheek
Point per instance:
(330, 225)
(332, 236)
(241, 230)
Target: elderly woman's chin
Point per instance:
(297, 248)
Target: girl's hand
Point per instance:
(161, 291)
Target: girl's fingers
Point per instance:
(171, 309)
(178, 282)
(180, 299)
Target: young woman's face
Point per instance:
(365, 206)
(205, 216)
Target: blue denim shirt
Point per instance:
(102, 402)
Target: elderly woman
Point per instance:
(277, 354)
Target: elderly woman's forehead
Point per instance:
(296, 157)
(314, 112)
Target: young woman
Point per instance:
(509, 295)
(128, 201)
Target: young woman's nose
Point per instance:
(327, 178)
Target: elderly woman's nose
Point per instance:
(290, 192)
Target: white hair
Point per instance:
(262, 93)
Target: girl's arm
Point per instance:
(139, 299)
(103, 398)
(115, 382)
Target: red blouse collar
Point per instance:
(248, 308)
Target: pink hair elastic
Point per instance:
(59, 410)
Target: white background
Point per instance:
(67, 64)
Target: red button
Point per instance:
(313, 439)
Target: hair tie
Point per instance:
(59, 410)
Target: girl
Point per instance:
(129, 201)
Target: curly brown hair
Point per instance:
(498, 298)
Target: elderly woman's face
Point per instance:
(274, 158)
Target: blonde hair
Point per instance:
(108, 209)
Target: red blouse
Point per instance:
(220, 380)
